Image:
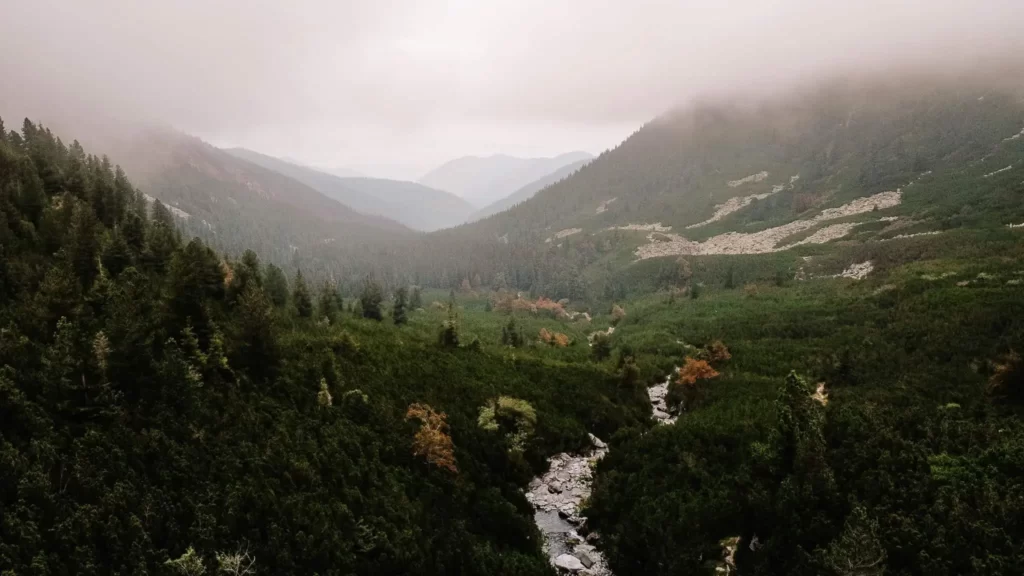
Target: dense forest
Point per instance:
(165, 408)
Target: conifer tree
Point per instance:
(370, 300)
(301, 298)
(276, 286)
(399, 314)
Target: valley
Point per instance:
(780, 338)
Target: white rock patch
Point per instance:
(826, 234)
(857, 271)
(603, 206)
(563, 233)
(733, 204)
(1000, 171)
(745, 180)
(1015, 136)
(767, 240)
(656, 227)
(915, 235)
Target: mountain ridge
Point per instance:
(412, 204)
(483, 180)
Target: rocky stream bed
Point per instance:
(559, 493)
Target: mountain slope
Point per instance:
(236, 204)
(527, 192)
(483, 180)
(412, 204)
(778, 176)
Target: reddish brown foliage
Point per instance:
(695, 370)
(432, 440)
(717, 352)
(518, 304)
(553, 338)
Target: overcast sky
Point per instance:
(394, 88)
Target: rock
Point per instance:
(597, 442)
(555, 487)
(569, 562)
(593, 537)
(660, 415)
(584, 559)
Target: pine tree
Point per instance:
(328, 304)
(399, 314)
(370, 300)
(276, 286)
(116, 256)
(301, 298)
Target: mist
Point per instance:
(395, 88)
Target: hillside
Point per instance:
(167, 408)
(843, 163)
(235, 204)
(527, 192)
(484, 180)
(412, 204)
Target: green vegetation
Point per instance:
(169, 410)
(916, 363)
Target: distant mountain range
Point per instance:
(527, 192)
(414, 205)
(236, 204)
(485, 180)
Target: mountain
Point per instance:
(412, 204)
(235, 204)
(816, 167)
(527, 192)
(484, 180)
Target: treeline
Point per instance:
(168, 410)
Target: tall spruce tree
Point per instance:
(301, 298)
(399, 314)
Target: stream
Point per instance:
(557, 495)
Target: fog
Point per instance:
(395, 88)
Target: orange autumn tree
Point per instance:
(695, 370)
(432, 441)
(687, 388)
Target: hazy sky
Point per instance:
(397, 87)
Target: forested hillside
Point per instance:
(168, 409)
(236, 205)
(928, 156)
(414, 205)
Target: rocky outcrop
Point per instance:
(657, 393)
(748, 179)
(768, 240)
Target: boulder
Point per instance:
(569, 562)
(597, 442)
(584, 559)
(555, 487)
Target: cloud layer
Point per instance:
(397, 87)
